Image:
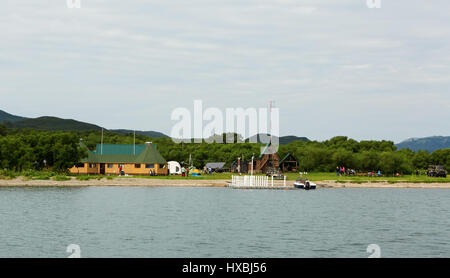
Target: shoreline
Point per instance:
(73, 182)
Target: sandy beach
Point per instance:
(116, 182)
(199, 183)
(334, 184)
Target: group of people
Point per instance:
(373, 174)
(184, 172)
(207, 170)
(342, 171)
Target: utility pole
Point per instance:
(253, 156)
(239, 165)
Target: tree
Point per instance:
(421, 159)
(3, 130)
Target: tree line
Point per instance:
(22, 149)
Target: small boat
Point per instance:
(304, 184)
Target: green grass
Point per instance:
(321, 176)
(27, 175)
(214, 176)
(43, 176)
(61, 178)
(8, 174)
(86, 177)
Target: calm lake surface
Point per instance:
(222, 222)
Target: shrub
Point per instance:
(61, 178)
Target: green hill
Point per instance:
(427, 143)
(53, 123)
(152, 134)
(283, 140)
(6, 117)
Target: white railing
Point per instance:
(253, 181)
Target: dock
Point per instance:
(261, 187)
(258, 182)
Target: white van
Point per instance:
(174, 168)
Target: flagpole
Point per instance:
(134, 143)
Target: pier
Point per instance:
(257, 182)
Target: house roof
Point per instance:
(267, 150)
(147, 154)
(117, 149)
(286, 157)
(215, 165)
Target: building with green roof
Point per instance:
(114, 159)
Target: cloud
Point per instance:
(140, 59)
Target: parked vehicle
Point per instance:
(436, 171)
(272, 172)
(174, 168)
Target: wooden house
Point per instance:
(270, 162)
(134, 160)
(289, 163)
(266, 162)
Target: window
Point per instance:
(137, 165)
(110, 165)
(149, 166)
(92, 165)
(79, 165)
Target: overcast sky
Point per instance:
(332, 67)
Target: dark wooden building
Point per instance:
(289, 163)
(267, 162)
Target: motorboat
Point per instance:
(304, 184)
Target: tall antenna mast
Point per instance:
(101, 143)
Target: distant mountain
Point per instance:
(152, 134)
(6, 117)
(283, 140)
(54, 123)
(428, 143)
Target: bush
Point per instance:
(43, 176)
(8, 174)
(84, 177)
(61, 178)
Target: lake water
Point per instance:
(223, 222)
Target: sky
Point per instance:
(331, 67)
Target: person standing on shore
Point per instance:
(187, 172)
(337, 171)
